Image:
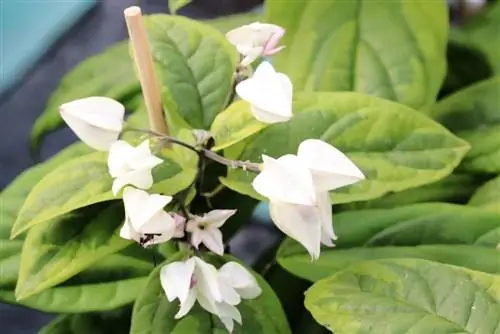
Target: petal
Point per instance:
(143, 159)
(127, 232)
(325, 209)
(241, 279)
(299, 222)
(118, 184)
(212, 239)
(142, 179)
(331, 168)
(176, 278)
(273, 41)
(215, 218)
(229, 311)
(228, 323)
(118, 157)
(187, 305)
(207, 280)
(266, 117)
(140, 207)
(286, 179)
(207, 302)
(229, 295)
(161, 223)
(196, 238)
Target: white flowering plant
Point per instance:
(327, 114)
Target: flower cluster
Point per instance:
(297, 186)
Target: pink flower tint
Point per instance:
(271, 46)
(179, 224)
(193, 282)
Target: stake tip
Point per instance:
(132, 11)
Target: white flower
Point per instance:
(297, 187)
(217, 292)
(205, 229)
(131, 165)
(145, 220)
(255, 40)
(97, 121)
(269, 94)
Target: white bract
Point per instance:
(255, 40)
(97, 121)
(131, 165)
(297, 187)
(145, 220)
(205, 229)
(217, 292)
(269, 94)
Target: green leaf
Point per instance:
(388, 49)
(226, 23)
(175, 5)
(95, 323)
(396, 147)
(84, 181)
(110, 73)
(456, 188)
(233, 125)
(10, 256)
(65, 246)
(406, 296)
(488, 196)
(153, 313)
(112, 282)
(481, 33)
(440, 232)
(195, 65)
(474, 115)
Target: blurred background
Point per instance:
(41, 41)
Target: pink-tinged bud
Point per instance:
(271, 47)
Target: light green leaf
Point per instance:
(474, 115)
(110, 283)
(442, 232)
(153, 313)
(456, 188)
(84, 181)
(406, 296)
(10, 256)
(488, 196)
(195, 65)
(392, 49)
(95, 323)
(110, 73)
(65, 246)
(175, 5)
(395, 147)
(233, 125)
(481, 33)
(226, 23)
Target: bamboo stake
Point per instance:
(145, 68)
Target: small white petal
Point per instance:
(119, 152)
(176, 278)
(143, 158)
(229, 311)
(207, 279)
(215, 218)
(187, 305)
(140, 207)
(299, 222)
(228, 323)
(331, 168)
(97, 121)
(229, 295)
(326, 216)
(118, 184)
(241, 279)
(127, 232)
(212, 239)
(286, 179)
(161, 223)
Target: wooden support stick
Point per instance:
(145, 68)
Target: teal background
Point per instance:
(28, 28)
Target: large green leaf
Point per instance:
(84, 181)
(95, 323)
(474, 115)
(448, 233)
(154, 314)
(109, 73)
(481, 33)
(110, 283)
(392, 49)
(396, 148)
(406, 296)
(488, 196)
(195, 65)
(65, 246)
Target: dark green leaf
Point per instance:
(406, 296)
(392, 49)
(396, 147)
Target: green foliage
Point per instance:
(110, 73)
(395, 147)
(195, 65)
(226, 23)
(390, 50)
(488, 196)
(474, 115)
(440, 232)
(154, 314)
(403, 296)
